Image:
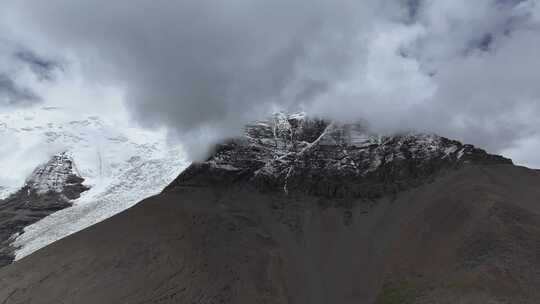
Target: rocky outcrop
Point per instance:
(50, 188)
(294, 153)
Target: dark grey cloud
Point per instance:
(41, 67)
(413, 7)
(11, 94)
(197, 65)
(202, 68)
(20, 68)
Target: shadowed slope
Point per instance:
(308, 211)
(471, 235)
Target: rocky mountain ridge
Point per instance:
(121, 163)
(50, 188)
(59, 175)
(293, 152)
(303, 210)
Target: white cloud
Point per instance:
(465, 69)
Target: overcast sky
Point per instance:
(202, 68)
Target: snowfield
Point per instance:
(122, 164)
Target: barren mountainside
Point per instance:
(303, 210)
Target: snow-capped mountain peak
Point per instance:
(58, 175)
(120, 163)
(321, 157)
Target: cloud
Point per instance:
(12, 94)
(465, 69)
(43, 68)
(18, 68)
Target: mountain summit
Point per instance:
(50, 188)
(292, 152)
(304, 210)
(119, 163)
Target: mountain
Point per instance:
(316, 157)
(303, 210)
(120, 164)
(50, 188)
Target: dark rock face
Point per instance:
(50, 188)
(293, 153)
(307, 211)
(471, 236)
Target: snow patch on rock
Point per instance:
(54, 175)
(293, 152)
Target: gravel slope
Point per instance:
(470, 236)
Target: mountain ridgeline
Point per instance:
(308, 211)
(51, 187)
(328, 159)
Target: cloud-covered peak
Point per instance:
(465, 69)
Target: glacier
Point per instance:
(121, 163)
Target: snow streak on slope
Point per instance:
(121, 164)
